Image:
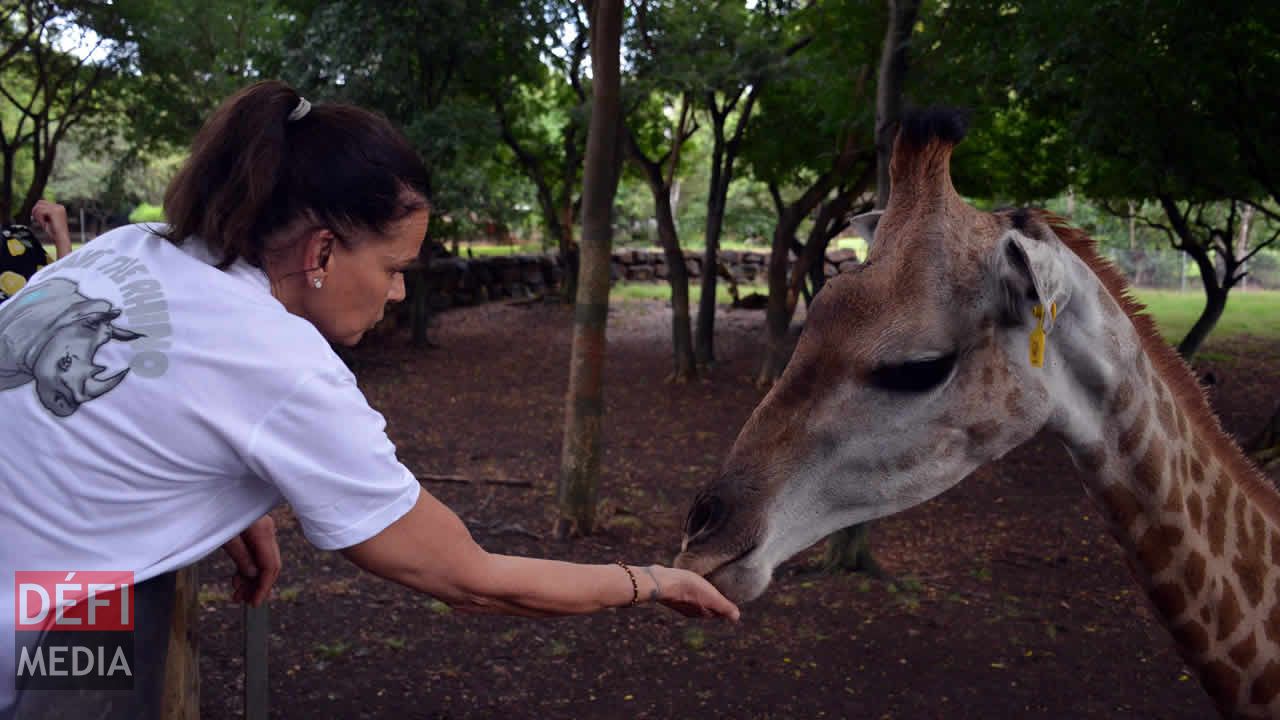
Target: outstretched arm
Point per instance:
(430, 550)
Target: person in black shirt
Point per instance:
(22, 254)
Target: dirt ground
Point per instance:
(1011, 599)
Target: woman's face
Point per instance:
(360, 281)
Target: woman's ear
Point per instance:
(317, 249)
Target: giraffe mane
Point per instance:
(1182, 382)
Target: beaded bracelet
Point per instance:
(635, 587)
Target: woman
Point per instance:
(22, 255)
(176, 384)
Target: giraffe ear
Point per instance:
(865, 225)
(1031, 272)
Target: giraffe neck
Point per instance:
(1200, 530)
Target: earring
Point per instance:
(317, 283)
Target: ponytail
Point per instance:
(267, 157)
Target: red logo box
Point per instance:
(73, 600)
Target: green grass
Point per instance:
(1256, 312)
(843, 243)
(625, 291)
(490, 250)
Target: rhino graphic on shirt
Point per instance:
(49, 334)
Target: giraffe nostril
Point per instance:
(707, 514)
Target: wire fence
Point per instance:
(1170, 269)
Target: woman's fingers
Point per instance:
(256, 554)
(691, 595)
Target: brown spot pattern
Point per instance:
(1012, 403)
(1167, 419)
(1244, 652)
(1173, 501)
(1122, 399)
(1197, 470)
(1169, 599)
(1195, 509)
(1156, 547)
(1132, 435)
(1272, 624)
(1195, 572)
(1251, 574)
(1229, 614)
(1150, 470)
(983, 432)
(1192, 636)
(1267, 686)
(1122, 504)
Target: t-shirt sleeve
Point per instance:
(328, 453)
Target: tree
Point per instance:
(584, 403)
(720, 55)
(1169, 102)
(659, 173)
(541, 112)
(433, 84)
(825, 91)
(46, 91)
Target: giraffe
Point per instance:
(964, 334)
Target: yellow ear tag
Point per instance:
(1038, 336)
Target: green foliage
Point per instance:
(1124, 100)
(827, 89)
(147, 213)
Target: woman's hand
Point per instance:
(256, 553)
(688, 593)
(52, 218)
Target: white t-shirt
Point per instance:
(154, 406)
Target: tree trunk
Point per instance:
(420, 312)
(704, 340)
(684, 366)
(893, 71)
(584, 403)
(723, 153)
(849, 550)
(1215, 304)
(777, 318)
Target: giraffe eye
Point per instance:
(914, 376)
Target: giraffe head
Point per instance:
(910, 372)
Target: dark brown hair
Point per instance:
(253, 171)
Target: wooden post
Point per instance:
(182, 667)
(257, 628)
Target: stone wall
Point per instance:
(468, 281)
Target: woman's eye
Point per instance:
(914, 376)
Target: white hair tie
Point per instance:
(301, 110)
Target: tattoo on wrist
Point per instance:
(656, 593)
